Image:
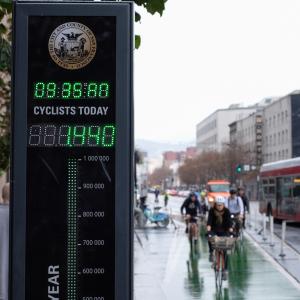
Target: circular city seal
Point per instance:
(72, 45)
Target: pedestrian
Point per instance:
(166, 198)
(4, 242)
(156, 193)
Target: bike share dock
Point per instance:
(165, 269)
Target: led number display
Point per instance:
(71, 90)
(50, 135)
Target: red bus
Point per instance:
(280, 189)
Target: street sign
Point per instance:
(72, 153)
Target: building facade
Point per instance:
(173, 160)
(248, 134)
(213, 132)
(281, 135)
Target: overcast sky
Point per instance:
(202, 55)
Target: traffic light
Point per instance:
(239, 169)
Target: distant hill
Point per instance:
(155, 149)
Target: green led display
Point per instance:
(71, 90)
(47, 135)
(72, 230)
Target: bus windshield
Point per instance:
(219, 188)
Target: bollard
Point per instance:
(272, 231)
(264, 226)
(282, 254)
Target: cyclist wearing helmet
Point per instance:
(192, 208)
(219, 223)
(236, 207)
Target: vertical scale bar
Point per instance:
(72, 229)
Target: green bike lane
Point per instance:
(165, 269)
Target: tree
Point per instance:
(5, 68)
(159, 175)
(213, 165)
(151, 6)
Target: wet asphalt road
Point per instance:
(165, 269)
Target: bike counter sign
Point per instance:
(71, 118)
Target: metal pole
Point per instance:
(272, 231)
(282, 254)
(264, 226)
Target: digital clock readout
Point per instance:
(71, 90)
(51, 135)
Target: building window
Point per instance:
(274, 119)
(282, 117)
(287, 153)
(286, 136)
(274, 156)
(274, 139)
(270, 121)
(286, 115)
(278, 119)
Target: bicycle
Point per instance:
(220, 246)
(193, 229)
(237, 225)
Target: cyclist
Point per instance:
(236, 207)
(166, 198)
(219, 223)
(242, 195)
(203, 202)
(192, 208)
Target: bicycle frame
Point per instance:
(193, 231)
(219, 267)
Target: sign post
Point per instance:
(72, 153)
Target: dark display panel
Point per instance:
(71, 112)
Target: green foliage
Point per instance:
(5, 68)
(6, 5)
(152, 7)
(137, 40)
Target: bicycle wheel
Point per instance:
(218, 271)
(242, 235)
(163, 223)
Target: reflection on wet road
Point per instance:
(166, 269)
